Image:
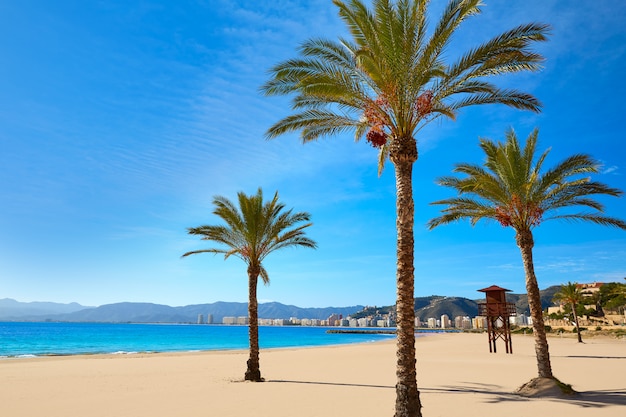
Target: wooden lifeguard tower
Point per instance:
(497, 311)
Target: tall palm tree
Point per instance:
(253, 231)
(385, 83)
(512, 188)
(571, 294)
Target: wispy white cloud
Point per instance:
(507, 266)
(562, 266)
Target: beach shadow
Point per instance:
(495, 394)
(594, 357)
(338, 384)
(601, 398)
(586, 399)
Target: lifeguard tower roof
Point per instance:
(494, 288)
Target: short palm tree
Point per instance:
(512, 188)
(571, 295)
(392, 77)
(253, 231)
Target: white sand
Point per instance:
(457, 376)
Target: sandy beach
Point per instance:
(456, 375)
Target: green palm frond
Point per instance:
(383, 155)
(193, 252)
(505, 53)
(391, 55)
(591, 218)
(254, 229)
(452, 17)
(462, 208)
(312, 124)
(511, 98)
(511, 188)
(330, 52)
(569, 293)
(573, 165)
(264, 275)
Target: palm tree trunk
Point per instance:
(525, 243)
(403, 154)
(253, 373)
(580, 339)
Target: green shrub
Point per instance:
(522, 330)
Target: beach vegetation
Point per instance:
(565, 388)
(512, 188)
(393, 75)
(612, 296)
(556, 316)
(252, 230)
(571, 295)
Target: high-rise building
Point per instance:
(479, 322)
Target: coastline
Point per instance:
(63, 339)
(456, 376)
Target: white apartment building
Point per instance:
(363, 322)
(519, 320)
(462, 322)
(479, 322)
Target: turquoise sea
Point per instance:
(44, 339)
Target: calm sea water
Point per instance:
(37, 339)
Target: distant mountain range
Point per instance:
(11, 310)
(425, 307)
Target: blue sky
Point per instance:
(120, 120)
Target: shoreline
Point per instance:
(239, 351)
(419, 333)
(41, 340)
(456, 376)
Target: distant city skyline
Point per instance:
(120, 121)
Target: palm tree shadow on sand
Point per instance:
(586, 399)
(336, 384)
